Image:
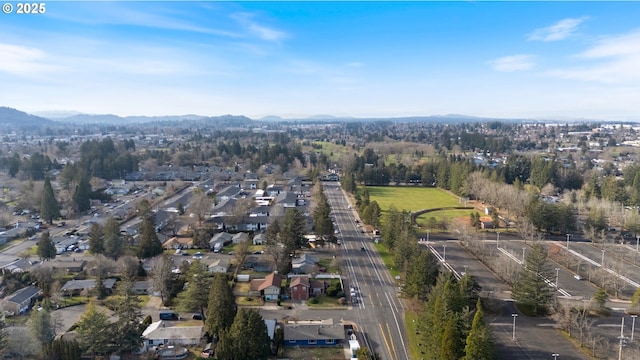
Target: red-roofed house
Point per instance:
(269, 287)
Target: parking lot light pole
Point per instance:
(513, 335)
(555, 356)
(633, 325)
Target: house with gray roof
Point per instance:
(21, 300)
(313, 333)
(75, 287)
(162, 333)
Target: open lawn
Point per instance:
(319, 353)
(387, 258)
(334, 151)
(328, 263)
(324, 301)
(411, 198)
(447, 215)
(411, 324)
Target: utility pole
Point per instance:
(621, 339)
(513, 335)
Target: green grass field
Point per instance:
(334, 151)
(444, 214)
(411, 325)
(411, 198)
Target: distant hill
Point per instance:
(12, 117)
(119, 120)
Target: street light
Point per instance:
(555, 356)
(568, 236)
(513, 335)
(557, 269)
(637, 241)
(427, 235)
(602, 262)
(633, 325)
(498, 240)
(444, 252)
(523, 249)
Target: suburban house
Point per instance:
(274, 190)
(76, 287)
(69, 266)
(287, 199)
(254, 223)
(219, 266)
(178, 243)
(299, 288)
(21, 300)
(240, 237)
(303, 264)
(227, 193)
(262, 210)
(313, 333)
(223, 238)
(269, 287)
(258, 239)
(19, 265)
(142, 287)
(317, 287)
(158, 333)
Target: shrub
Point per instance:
(312, 301)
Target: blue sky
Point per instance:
(295, 59)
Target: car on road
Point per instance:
(197, 255)
(362, 248)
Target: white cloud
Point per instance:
(22, 60)
(259, 30)
(614, 59)
(513, 63)
(558, 31)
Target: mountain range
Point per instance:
(14, 118)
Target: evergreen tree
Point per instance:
(62, 350)
(46, 248)
(479, 343)
(113, 243)
(322, 224)
(451, 348)
(422, 273)
(196, 295)
(180, 208)
(247, 337)
(49, 208)
(600, 299)
(530, 289)
(128, 328)
(222, 308)
(42, 326)
(94, 331)
(150, 245)
(96, 239)
(81, 195)
(292, 230)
